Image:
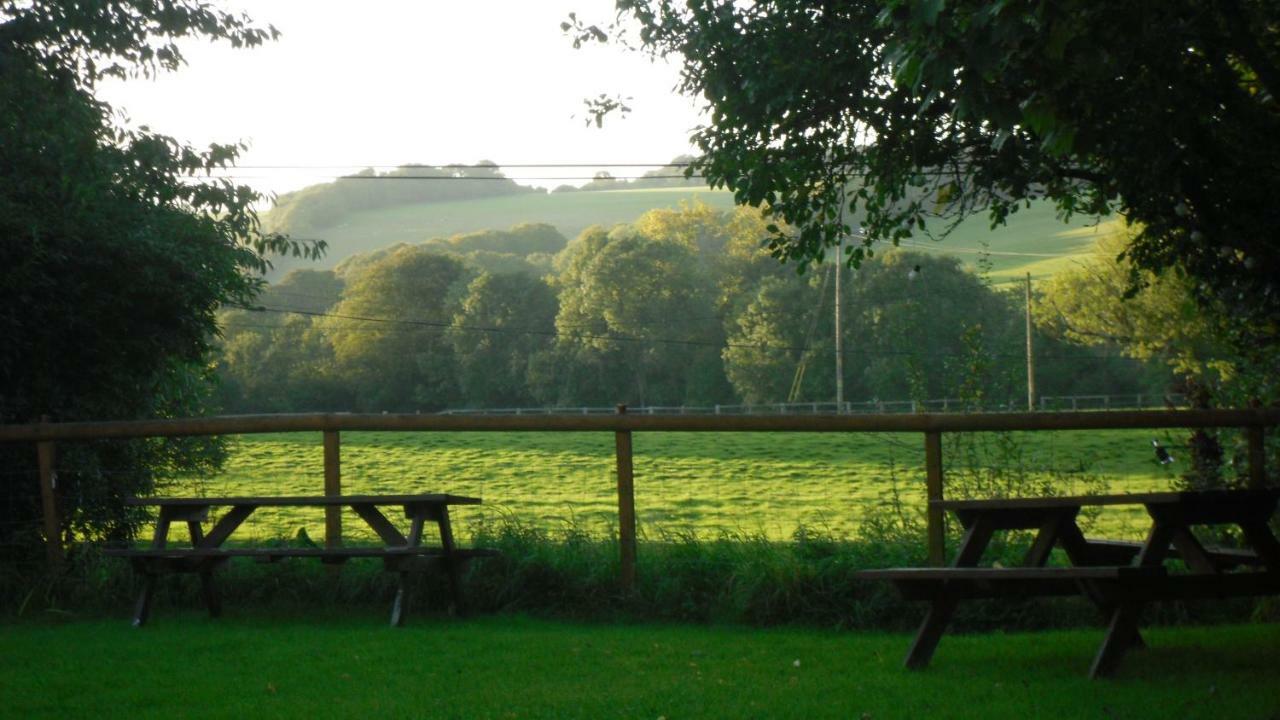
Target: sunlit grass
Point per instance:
(708, 483)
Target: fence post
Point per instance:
(1257, 456)
(332, 488)
(626, 506)
(49, 502)
(933, 490)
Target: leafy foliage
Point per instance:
(502, 324)
(678, 307)
(389, 332)
(115, 254)
(907, 112)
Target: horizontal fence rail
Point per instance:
(920, 422)
(623, 423)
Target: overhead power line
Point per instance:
(611, 178)
(405, 324)
(478, 166)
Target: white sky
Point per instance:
(386, 82)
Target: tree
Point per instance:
(115, 255)
(904, 338)
(1162, 325)
(638, 311)
(503, 322)
(390, 332)
(907, 111)
(273, 358)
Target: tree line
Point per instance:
(679, 307)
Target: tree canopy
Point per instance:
(910, 114)
(114, 253)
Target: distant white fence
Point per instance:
(1047, 403)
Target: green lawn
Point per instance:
(321, 666)
(701, 482)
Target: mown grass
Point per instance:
(703, 483)
(510, 667)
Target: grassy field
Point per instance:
(706, 483)
(509, 667)
(1034, 238)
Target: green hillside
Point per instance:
(1034, 239)
(569, 212)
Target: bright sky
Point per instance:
(386, 82)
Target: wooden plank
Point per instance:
(49, 505)
(1192, 499)
(1264, 542)
(306, 500)
(174, 553)
(332, 488)
(931, 629)
(626, 507)
(389, 533)
(995, 574)
(1121, 632)
(1192, 552)
(1048, 536)
(226, 525)
(1122, 552)
(922, 422)
(935, 528)
(1257, 457)
(973, 544)
(452, 563)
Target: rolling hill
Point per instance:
(1034, 239)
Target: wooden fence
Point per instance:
(1254, 422)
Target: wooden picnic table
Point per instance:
(1119, 577)
(402, 553)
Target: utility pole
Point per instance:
(1031, 360)
(839, 328)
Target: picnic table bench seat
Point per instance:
(400, 552)
(1119, 577)
(179, 559)
(916, 583)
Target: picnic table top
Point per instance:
(1155, 498)
(308, 500)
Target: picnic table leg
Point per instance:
(1122, 632)
(401, 603)
(452, 566)
(207, 589)
(930, 633)
(976, 538)
(1259, 535)
(142, 608)
(1051, 532)
(1121, 635)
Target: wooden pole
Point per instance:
(1257, 456)
(332, 488)
(49, 502)
(933, 490)
(839, 270)
(626, 507)
(1031, 358)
